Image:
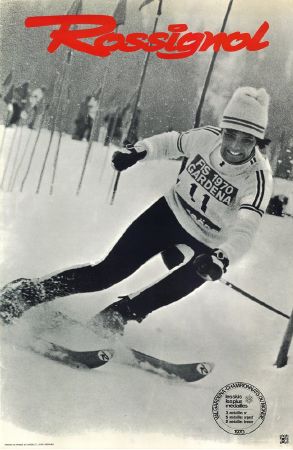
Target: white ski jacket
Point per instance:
(218, 203)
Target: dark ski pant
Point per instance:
(16, 114)
(154, 231)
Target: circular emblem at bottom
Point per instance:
(239, 408)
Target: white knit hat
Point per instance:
(247, 111)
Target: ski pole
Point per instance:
(111, 186)
(129, 136)
(115, 187)
(129, 146)
(254, 299)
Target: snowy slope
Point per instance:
(45, 402)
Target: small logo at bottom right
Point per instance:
(284, 438)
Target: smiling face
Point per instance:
(237, 146)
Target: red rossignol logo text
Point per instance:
(177, 43)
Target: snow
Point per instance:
(45, 402)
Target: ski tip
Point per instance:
(205, 368)
(105, 355)
(196, 372)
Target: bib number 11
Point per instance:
(205, 200)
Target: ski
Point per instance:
(73, 358)
(93, 359)
(189, 372)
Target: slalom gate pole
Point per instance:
(282, 357)
(21, 159)
(75, 9)
(9, 157)
(137, 100)
(254, 299)
(95, 127)
(34, 148)
(206, 85)
(57, 109)
(16, 158)
(210, 71)
(63, 112)
(56, 157)
(4, 131)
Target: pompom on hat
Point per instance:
(247, 111)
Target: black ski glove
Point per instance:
(121, 160)
(211, 266)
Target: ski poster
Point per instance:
(146, 205)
